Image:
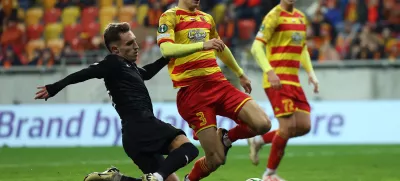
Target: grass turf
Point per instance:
(301, 163)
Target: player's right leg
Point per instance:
(238, 106)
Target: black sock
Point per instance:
(126, 178)
(177, 159)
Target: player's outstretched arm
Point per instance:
(97, 70)
(150, 70)
(174, 50)
(307, 65)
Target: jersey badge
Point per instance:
(163, 28)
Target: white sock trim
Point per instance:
(187, 159)
(158, 176)
(270, 171)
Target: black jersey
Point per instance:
(124, 82)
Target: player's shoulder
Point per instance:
(299, 13)
(201, 13)
(111, 60)
(169, 13)
(274, 12)
(111, 57)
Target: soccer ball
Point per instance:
(254, 179)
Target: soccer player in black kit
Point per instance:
(144, 137)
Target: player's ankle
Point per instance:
(226, 141)
(269, 172)
(225, 137)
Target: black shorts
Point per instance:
(146, 140)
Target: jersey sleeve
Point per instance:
(150, 70)
(96, 70)
(213, 30)
(166, 28)
(268, 26)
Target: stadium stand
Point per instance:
(50, 30)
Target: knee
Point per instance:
(288, 131)
(214, 160)
(263, 126)
(303, 129)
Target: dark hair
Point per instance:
(112, 31)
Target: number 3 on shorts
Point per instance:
(202, 118)
(288, 103)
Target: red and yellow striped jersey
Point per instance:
(284, 34)
(184, 27)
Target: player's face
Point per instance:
(192, 4)
(128, 47)
(290, 2)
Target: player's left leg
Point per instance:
(249, 116)
(253, 116)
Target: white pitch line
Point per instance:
(263, 155)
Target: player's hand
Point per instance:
(214, 44)
(42, 93)
(246, 83)
(312, 79)
(274, 80)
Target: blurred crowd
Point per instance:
(46, 32)
(354, 29)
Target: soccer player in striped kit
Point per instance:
(283, 36)
(189, 37)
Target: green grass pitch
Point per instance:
(301, 163)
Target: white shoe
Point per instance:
(111, 174)
(255, 147)
(273, 177)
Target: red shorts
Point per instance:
(200, 104)
(287, 100)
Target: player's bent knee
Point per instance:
(263, 126)
(254, 116)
